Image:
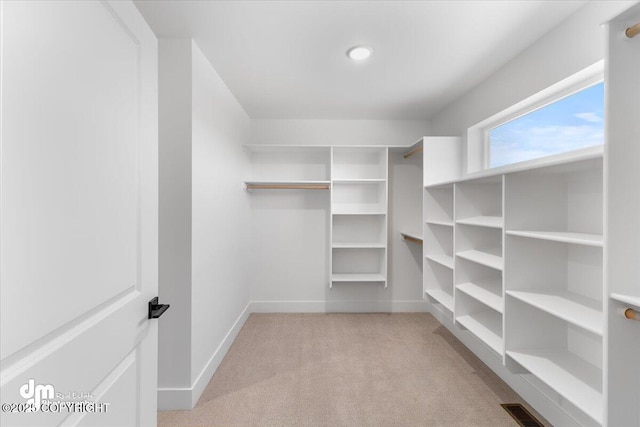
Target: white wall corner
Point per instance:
(172, 399)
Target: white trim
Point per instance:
(170, 399)
(477, 141)
(339, 306)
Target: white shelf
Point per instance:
(570, 376)
(487, 326)
(483, 221)
(556, 161)
(441, 297)
(350, 245)
(357, 277)
(627, 299)
(287, 185)
(482, 258)
(480, 291)
(442, 223)
(344, 212)
(561, 236)
(359, 181)
(573, 308)
(441, 259)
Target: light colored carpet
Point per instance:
(349, 370)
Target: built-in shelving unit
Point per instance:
(515, 257)
(438, 245)
(479, 300)
(359, 215)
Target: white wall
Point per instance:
(574, 45)
(220, 212)
(203, 222)
(174, 240)
(338, 132)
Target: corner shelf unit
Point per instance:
(515, 256)
(358, 226)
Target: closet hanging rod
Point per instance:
(287, 186)
(629, 313)
(412, 152)
(633, 31)
(411, 239)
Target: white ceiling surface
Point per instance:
(286, 59)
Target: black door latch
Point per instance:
(156, 310)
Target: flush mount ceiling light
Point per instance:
(359, 53)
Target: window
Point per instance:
(570, 123)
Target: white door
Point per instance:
(78, 225)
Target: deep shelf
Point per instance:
(442, 223)
(487, 326)
(357, 277)
(569, 375)
(479, 291)
(441, 297)
(586, 239)
(573, 308)
(441, 259)
(483, 258)
(483, 221)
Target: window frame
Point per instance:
(478, 144)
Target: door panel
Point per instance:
(78, 225)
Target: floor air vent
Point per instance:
(521, 415)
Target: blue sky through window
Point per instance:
(576, 121)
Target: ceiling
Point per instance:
(286, 59)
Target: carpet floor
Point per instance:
(349, 370)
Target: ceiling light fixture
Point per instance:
(359, 53)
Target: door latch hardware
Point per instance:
(156, 310)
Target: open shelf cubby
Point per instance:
(438, 205)
(357, 198)
(359, 163)
(477, 318)
(565, 357)
(561, 203)
(562, 279)
(479, 202)
(482, 283)
(480, 245)
(289, 164)
(359, 231)
(359, 265)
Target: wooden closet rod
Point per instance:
(287, 186)
(412, 152)
(411, 239)
(629, 313)
(633, 31)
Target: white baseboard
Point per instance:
(339, 306)
(171, 399)
(556, 414)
